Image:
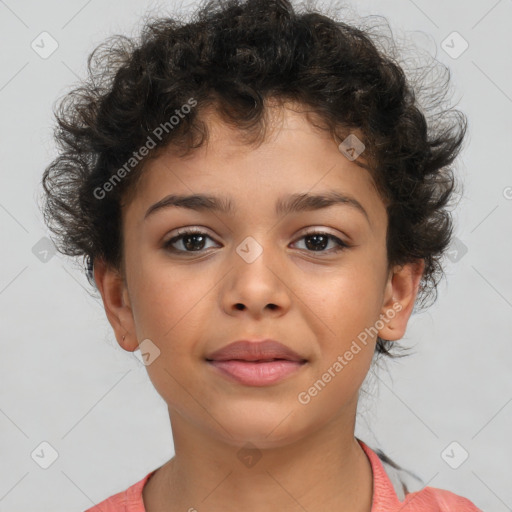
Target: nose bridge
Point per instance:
(258, 259)
(250, 250)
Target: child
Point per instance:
(294, 154)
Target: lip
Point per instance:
(246, 350)
(256, 363)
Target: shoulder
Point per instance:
(129, 500)
(431, 499)
(393, 496)
(116, 503)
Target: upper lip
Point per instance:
(246, 350)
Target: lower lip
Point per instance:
(253, 373)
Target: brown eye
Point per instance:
(191, 241)
(317, 241)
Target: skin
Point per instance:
(315, 302)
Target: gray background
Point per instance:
(65, 381)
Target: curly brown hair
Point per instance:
(234, 55)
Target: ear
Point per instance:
(400, 295)
(116, 301)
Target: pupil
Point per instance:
(315, 238)
(191, 246)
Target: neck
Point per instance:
(326, 471)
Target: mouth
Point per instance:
(265, 350)
(254, 363)
(257, 373)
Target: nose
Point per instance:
(256, 286)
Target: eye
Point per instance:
(191, 240)
(316, 241)
(194, 241)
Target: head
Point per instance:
(254, 111)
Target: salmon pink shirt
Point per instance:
(385, 498)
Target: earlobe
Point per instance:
(114, 294)
(400, 296)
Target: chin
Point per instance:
(263, 429)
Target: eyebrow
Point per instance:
(293, 203)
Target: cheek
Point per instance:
(348, 308)
(165, 295)
(168, 311)
(349, 301)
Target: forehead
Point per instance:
(294, 157)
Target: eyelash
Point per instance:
(168, 245)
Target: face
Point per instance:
(312, 279)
